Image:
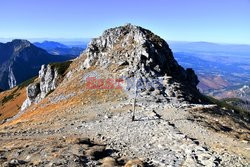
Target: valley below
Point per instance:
(223, 69)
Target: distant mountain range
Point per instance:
(222, 69)
(21, 60)
(49, 45)
(209, 47)
(57, 48)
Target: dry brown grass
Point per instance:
(12, 106)
(134, 162)
(46, 111)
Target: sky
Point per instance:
(221, 21)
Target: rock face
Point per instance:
(137, 52)
(48, 79)
(20, 60)
(48, 76)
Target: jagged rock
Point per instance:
(33, 95)
(48, 79)
(48, 76)
(139, 53)
(33, 91)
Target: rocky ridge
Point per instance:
(138, 53)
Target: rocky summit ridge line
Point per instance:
(143, 55)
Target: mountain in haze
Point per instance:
(239, 91)
(178, 46)
(21, 60)
(57, 48)
(222, 68)
(48, 45)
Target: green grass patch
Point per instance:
(244, 114)
(26, 83)
(235, 101)
(61, 67)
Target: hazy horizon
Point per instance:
(224, 21)
(84, 40)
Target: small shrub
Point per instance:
(8, 98)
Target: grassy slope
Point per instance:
(234, 110)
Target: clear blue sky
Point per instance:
(226, 21)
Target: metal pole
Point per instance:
(134, 103)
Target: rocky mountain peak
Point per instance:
(19, 44)
(137, 52)
(136, 47)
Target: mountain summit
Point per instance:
(143, 55)
(124, 102)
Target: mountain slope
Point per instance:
(128, 95)
(21, 60)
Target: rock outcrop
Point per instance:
(137, 52)
(48, 81)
